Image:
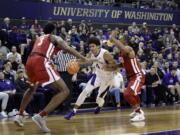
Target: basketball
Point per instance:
(72, 67)
(109, 43)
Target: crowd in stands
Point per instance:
(157, 49)
(143, 4)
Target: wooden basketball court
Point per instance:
(159, 119)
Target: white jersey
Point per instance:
(102, 79)
(98, 66)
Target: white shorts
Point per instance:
(102, 83)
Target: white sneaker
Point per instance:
(25, 113)
(138, 124)
(4, 114)
(133, 114)
(19, 120)
(138, 117)
(13, 113)
(40, 121)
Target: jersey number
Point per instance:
(41, 41)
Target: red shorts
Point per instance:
(136, 82)
(40, 70)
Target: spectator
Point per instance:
(153, 82)
(63, 34)
(36, 27)
(13, 37)
(84, 35)
(3, 96)
(159, 44)
(5, 29)
(166, 67)
(60, 24)
(15, 54)
(3, 49)
(21, 83)
(144, 29)
(69, 25)
(8, 72)
(117, 88)
(2, 61)
(133, 28)
(175, 65)
(171, 81)
(6, 86)
(176, 30)
(75, 38)
(24, 27)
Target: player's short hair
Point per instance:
(94, 40)
(49, 28)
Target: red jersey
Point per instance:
(44, 46)
(132, 66)
(44, 71)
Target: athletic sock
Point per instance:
(43, 113)
(75, 110)
(21, 112)
(138, 110)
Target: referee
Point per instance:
(61, 59)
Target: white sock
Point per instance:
(75, 110)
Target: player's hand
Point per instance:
(113, 35)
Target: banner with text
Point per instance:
(43, 11)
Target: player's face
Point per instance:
(93, 48)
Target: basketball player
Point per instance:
(40, 71)
(135, 76)
(102, 77)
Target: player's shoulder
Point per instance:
(129, 47)
(104, 50)
(54, 37)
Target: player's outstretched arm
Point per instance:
(111, 64)
(62, 45)
(125, 49)
(89, 62)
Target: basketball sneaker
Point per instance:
(97, 110)
(4, 114)
(19, 120)
(69, 115)
(138, 117)
(134, 113)
(40, 121)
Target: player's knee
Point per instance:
(66, 92)
(100, 101)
